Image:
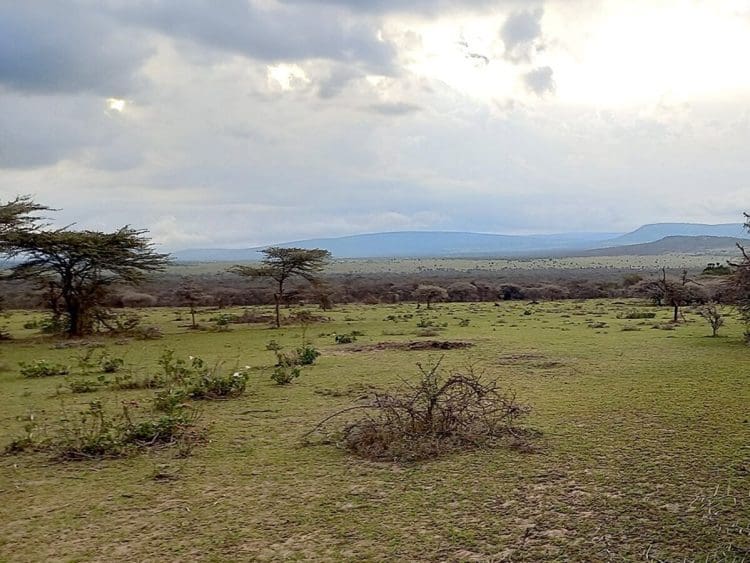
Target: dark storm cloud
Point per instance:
(540, 80)
(282, 33)
(49, 47)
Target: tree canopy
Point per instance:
(281, 264)
(74, 267)
(18, 215)
(741, 280)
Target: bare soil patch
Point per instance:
(410, 345)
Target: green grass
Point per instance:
(644, 455)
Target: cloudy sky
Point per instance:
(247, 122)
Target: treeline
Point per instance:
(227, 290)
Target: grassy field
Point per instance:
(645, 451)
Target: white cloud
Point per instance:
(395, 121)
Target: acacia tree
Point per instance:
(191, 295)
(711, 313)
(281, 264)
(741, 280)
(430, 293)
(18, 215)
(79, 267)
(675, 293)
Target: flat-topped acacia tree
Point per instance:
(281, 264)
(79, 267)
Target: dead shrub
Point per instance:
(436, 415)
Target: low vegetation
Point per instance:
(613, 420)
(435, 415)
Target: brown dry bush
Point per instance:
(436, 415)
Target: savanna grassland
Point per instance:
(541, 265)
(644, 452)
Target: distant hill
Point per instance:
(659, 231)
(416, 244)
(446, 244)
(673, 245)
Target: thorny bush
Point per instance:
(436, 415)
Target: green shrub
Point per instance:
(170, 400)
(96, 434)
(307, 354)
(127, 382)
(42, 368)
(110, 364)
(212, 386)
(344, 338)
(83, 385)
(285, 374)
(177, 369)
(637, 315)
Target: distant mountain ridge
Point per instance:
(658, 231)
(442, 244)
(673, 245)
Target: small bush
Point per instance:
(344, 338)
(42, 368)
(128, 382)
(96, 434)
(273, 346)
(307, 354)
(83, 385)
(632, 315)
(148, 333)
(429, 332)
(436, 415)
(715, 319)
(110, 364)
(179, 370)
(211, 386)
(285, 374)
(170, 400)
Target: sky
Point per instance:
(247, 122)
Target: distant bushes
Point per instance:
(634, 314)
(533, 285)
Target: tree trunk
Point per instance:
(277, 299)
(676, 312)
(75, 319)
